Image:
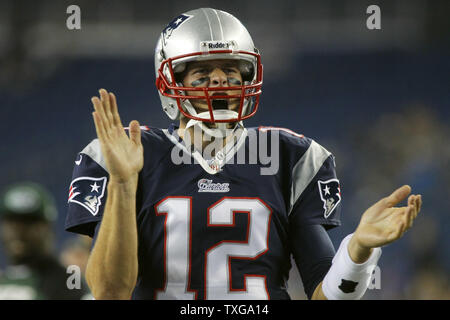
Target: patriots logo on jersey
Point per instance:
(330, 193)
(175, 23)
(88, 193)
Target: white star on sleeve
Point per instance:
(94, 187)
(326, 190)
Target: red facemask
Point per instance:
(249, 93)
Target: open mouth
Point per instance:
(219, 104)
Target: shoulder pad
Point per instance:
(94, 151)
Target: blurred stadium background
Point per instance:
(378, 99)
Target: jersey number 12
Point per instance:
(177, 248)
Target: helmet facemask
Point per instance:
(246, 92)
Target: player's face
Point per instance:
(210, 74)
(23, 239)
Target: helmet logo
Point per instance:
(175, 23)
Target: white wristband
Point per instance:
(347, 280)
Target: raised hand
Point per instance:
(383, 223)
(123, 155)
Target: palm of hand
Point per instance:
(123, 158)
(382, 223)
(123, 155)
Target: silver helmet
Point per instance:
(206, 34)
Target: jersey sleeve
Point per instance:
(87, 191)
(315, 196)
(313, 253)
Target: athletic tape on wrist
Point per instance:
(347, 280)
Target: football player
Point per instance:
(33, 272)
(172, 221)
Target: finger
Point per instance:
(400, 230)
(100, 110)
(114, 110)
(99, 127)
(410, 215)
(135, 132)
(412, 204)
(105, 101)
(394, 198)
(404, 215)
(418, 204)
(411, 200)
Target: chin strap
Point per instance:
(221, 130)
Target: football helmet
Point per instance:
(27, 200)
(199, 35)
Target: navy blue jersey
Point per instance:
(217, 228)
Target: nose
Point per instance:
(218, 78)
